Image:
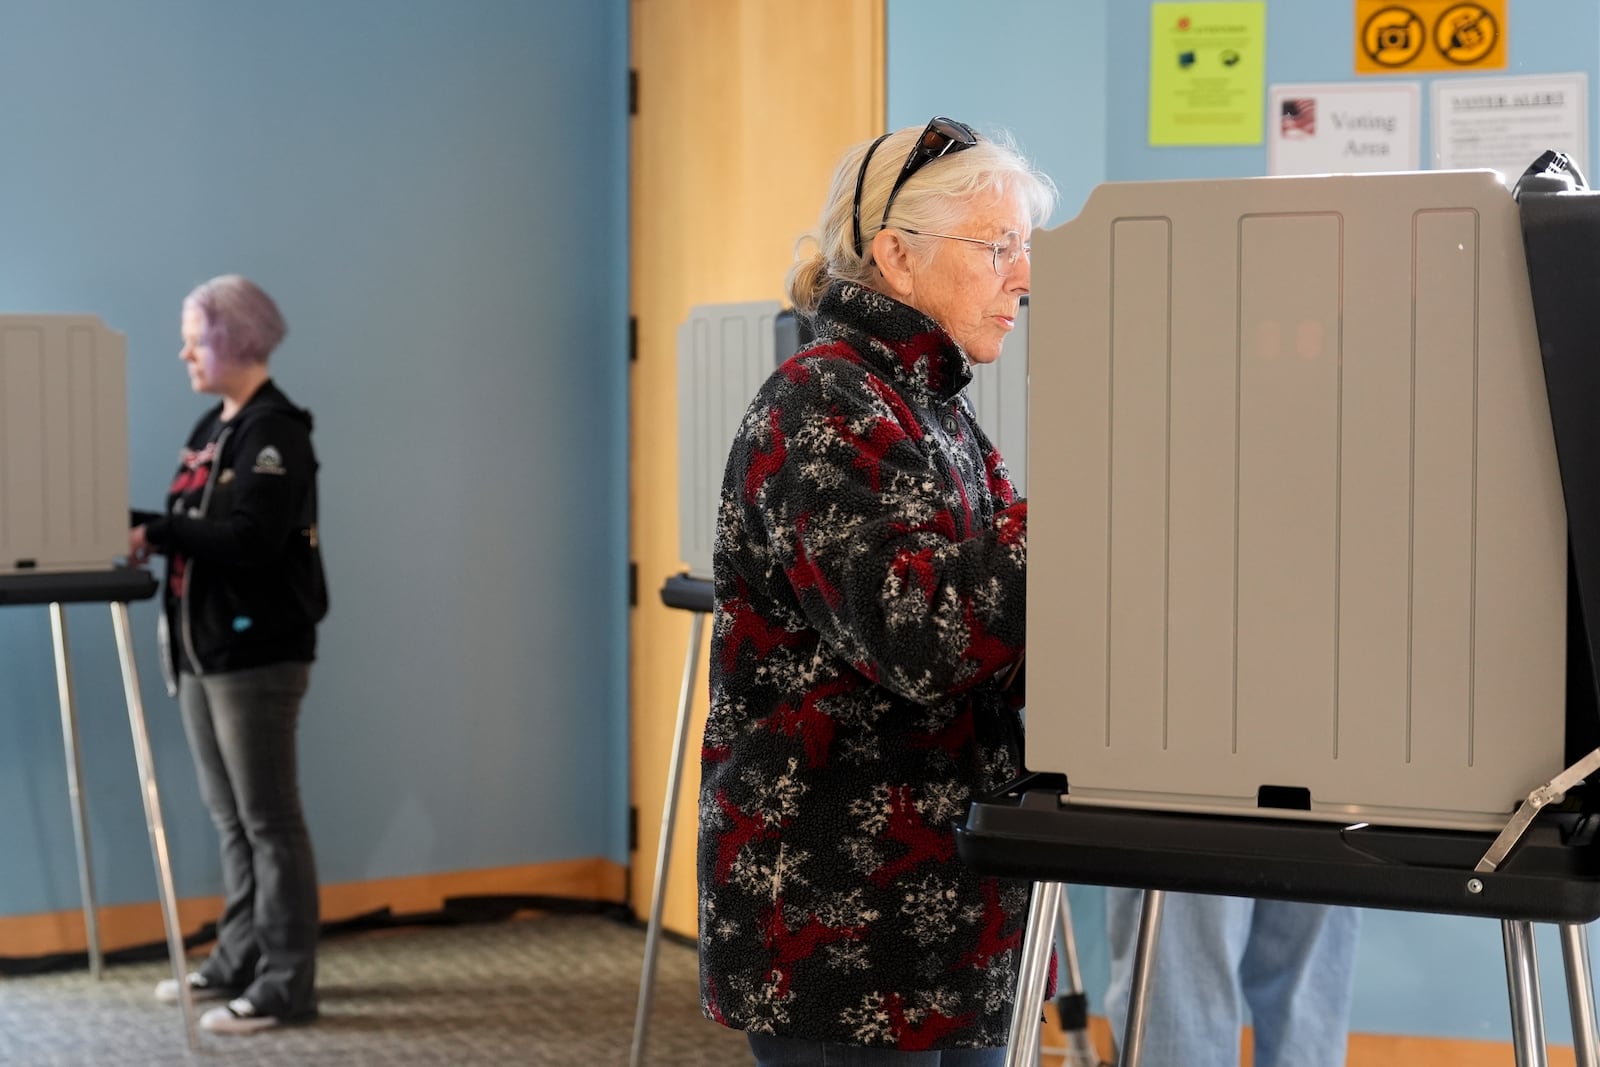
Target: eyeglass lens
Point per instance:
(1007, 251)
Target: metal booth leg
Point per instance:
(1022, 1048)
(1580, 992)
(652, 936)
(80, 823)
(152, 814)
(1144, 961)
(1522, 980)
(1072, 1004)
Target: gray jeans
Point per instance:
(241, 728)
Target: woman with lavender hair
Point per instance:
(244, 592)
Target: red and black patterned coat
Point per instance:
(869, 570)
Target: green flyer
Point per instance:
(1207, 72)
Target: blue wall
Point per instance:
(1072, 80)
(436, 194)
(1036, 68)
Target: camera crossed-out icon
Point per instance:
(1393, 36)
(1463, 34)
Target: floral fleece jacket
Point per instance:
(869, 574)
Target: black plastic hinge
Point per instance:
(633, 829)
(633, 584)
(633, 92)
(633, 338)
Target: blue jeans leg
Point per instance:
(1297, 976)
(796, 1052)
(1195, 1007)
(241, 727)
(1292, 964)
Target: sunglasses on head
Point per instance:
(940, 137)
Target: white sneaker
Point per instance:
(238, 1016)
(199, 989)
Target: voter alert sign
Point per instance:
(1343, 128)
(1415, 36)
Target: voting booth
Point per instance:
(63, 526)
(1298, 605)
(1303, 453)
(63, 444)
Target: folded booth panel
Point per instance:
(1071, 500)
(1286, 497)
(63, 444)
(1296, 519)
(1375, 491)
(999, 395)
(1440, 698)
(725, 352)
(1200, 549)
(1137, 395)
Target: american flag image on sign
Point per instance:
(1298, 117)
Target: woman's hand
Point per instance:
(138, 547)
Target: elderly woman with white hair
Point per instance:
(870, 566)
(244, 591)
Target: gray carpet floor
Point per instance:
(555, 990)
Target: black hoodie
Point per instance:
(245, 586)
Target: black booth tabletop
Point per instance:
(1553, 875)
(689, 593)
(40, 587)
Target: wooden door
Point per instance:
(744, 108)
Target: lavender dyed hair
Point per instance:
(242, 322)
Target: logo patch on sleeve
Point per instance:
(268, 461)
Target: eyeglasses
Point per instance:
(940, 137)
(1007, 250)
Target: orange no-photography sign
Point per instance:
(1411, 36)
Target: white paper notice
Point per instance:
(1505, 123)
(1343, 128)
